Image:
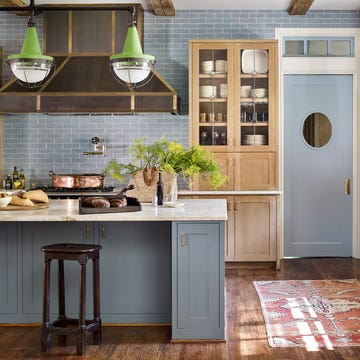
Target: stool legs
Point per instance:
(60, 325)
(97, 336)
(80, 345)
(45, 331)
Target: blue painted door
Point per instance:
(317, 212)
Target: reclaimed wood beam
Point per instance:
(12, 3)
(15, 3)
(163, 7)
(299, 7)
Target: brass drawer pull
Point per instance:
(347, 186)
(182, 239)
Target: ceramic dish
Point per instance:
(254, 61)
(173, 204)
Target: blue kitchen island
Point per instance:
(160, 265)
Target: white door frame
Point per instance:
(323, 65)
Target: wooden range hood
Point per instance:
(81, 43)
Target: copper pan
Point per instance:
(76, 180)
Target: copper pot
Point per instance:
(77, 180)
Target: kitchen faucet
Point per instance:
(98, 149)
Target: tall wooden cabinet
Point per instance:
(233, 113)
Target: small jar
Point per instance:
(155, 200)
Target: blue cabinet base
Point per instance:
(151, 273)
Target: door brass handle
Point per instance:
(88, 231)
(182, 239)
(347, 186)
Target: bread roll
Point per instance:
(15, 200)
(96, 201)
(100, 202)
(19, 193)
(118, 202)
(37, 196)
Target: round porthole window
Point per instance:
(317, 130)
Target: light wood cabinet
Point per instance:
(233, 109)
(245, 171)
(255, 219)
(233, 114)
(251, 231)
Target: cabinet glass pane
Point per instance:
(254, 100)
(340, 47)
(213, 106)
(294, 48)
(317, 47)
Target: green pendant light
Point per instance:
(31, 67)
(132, 67)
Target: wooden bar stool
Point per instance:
(79, 327)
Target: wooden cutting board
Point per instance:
(22, 208)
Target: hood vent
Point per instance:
(82, 81)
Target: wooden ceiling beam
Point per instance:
(12, 3)
(299, 7)
(163, 7)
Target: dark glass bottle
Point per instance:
(22, 179)
(8, 182)
(16, 184)
(160, 190)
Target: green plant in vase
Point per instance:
(167, 156)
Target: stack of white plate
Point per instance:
(259, 93)
(207, 66)
(245, 91)
(223, 90)
(255, 139)
(221, 66)
(207, 91)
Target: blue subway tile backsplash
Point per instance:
(40, 142)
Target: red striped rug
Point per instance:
(311, 313)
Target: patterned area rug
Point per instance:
(311, 313)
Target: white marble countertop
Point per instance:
(68, 210)
(229, 192)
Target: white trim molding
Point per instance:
(324, 65)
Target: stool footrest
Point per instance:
(62, 323)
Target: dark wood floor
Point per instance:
(246, 337)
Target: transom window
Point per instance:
(318, 46)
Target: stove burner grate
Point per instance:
(74, 190)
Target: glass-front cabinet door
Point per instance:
(211, 105)
(255, 96)
(233, 109)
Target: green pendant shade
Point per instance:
(132, 67)
(31, 67)
(132, 47)
(31, 47)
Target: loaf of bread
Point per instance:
(96, 201)
(19, 193)
(118, 202)
(16, 200)
(37, 196)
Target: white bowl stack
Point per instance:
(207, 91)
(259, 93)
(245, 91)
(256, 139)
(207, 66)
(221, 66)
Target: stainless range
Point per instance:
(74, 193)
